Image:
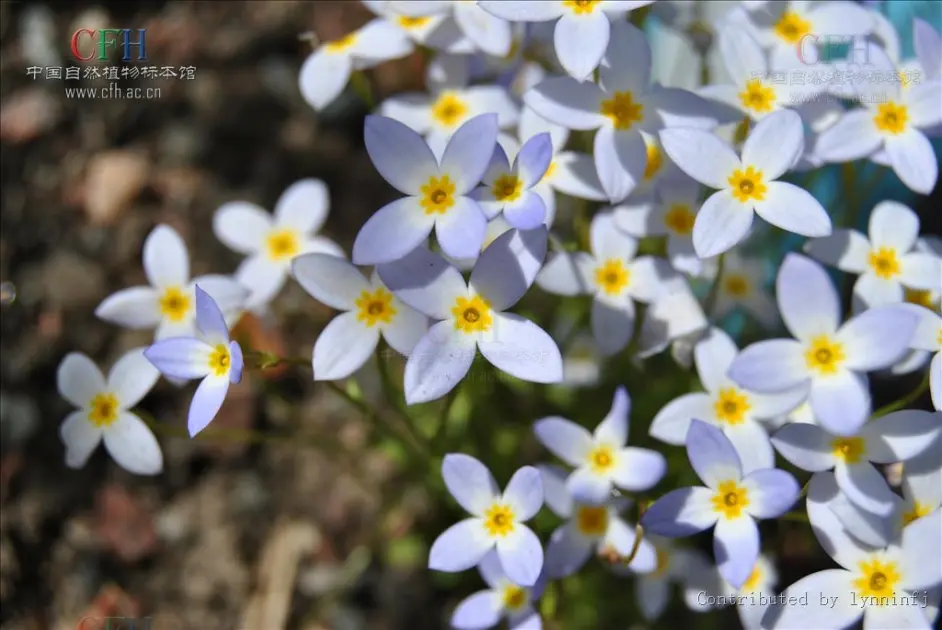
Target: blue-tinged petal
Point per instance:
(460, 231)
(460, 547)
(236, 362)
(566, 552)
(437, 363)
(209, 319)
(330, 280)
(78, 379)
(524, 493)
(901, 436)
(526, 213)
(532, 124)
(841, 402)
(877, 338)
(522, 349)
(555, 493)
(652, 595)
(614, 427)
(846, 550)
(527, 619)
(616, 180)
(712, 455)
(772, 366)
(868, 528)
(565, 439)
(566, 101)
(521, 555)
(807, 446)
(469, 152)
(491, 570)
(478, 611)
(771, 492)
(523, 11)
(580, 41)
(342, 348)
(567, 274)
(399, 153)
(671, 423)
(713, 355)
(681, 512)
(469, 482)
(612, 324)
(638, 469)
(807, 298)
(508, 266)
(587, 486)
(576, 176)
(228, 294)
(828, 603)
(534, 158)
(133, 446)
(701, 155)
(207, 399)
(621, 536)
(425, 281)
(180, 357)
(736, 548)
(751, 441)
(627, 42)
(922, 540)
(395, 230)
(499, 165)
(865, 487)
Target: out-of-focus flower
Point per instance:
(928, 337)
(743, 284)
(501, 600)
(487, 32)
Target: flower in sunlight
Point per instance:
(502, 599)
(506, 188)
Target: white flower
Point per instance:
(885, 586)
(736, 411)
(506, 188)
(326, 71)
(497, 521)
(893, 119)
(582, 30)
(896, 437)
(437, 31)
(771, 148)
(502, 599)
(620, 107)
(673, 565)
(743, 284)
(104, 412)
(472, 315)
(928, 337)
(271, 242)
(601, 459)
(486, 32)
(675, 317)
(827, 360)
(886, 261)
(589, 528)
(370, 310)
(612, 275)
(169, 303)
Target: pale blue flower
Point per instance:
(507, 187)
(211, 356)
(730, 502)
(502, 599)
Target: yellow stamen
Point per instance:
(103, 410)
(622, 110)
(472, 315)
(824, 355)
(730, 499)
(612, 276)
(438, 195)
(375, 307)
(748, 184)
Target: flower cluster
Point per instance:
(562, 144)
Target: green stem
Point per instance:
(795, 517)
(714, 293)
(364, 89)
(441, 431)
(906, 400)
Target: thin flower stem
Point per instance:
(441, 432)
(217, 434)
(714, 293)
(905, 401)
(364, 89)
(639, 536)
(392, 394)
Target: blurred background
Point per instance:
(291, 514)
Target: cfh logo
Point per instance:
(114, 623)
(88, 44)
(814, 49)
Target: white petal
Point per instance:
(627, 42)
(508, 266)
(522, 349)
(714, 355)
(480, 610)
(469, 152)
(877, 338)
(461, 231)
(343, 347)
(133, 446)
(469, 482)
(721, 223)
(406, 329)
(526, 11)
(900, 436)
(865, 486)
(380, 40)
(841, 403)
(608, 149)
(566, 101)
(79, 380)
(567, 274)
(135, 308)
(652, 595)
(794, 210)
(80, 438)
(323, 77)
(774, 143)
(807, 446)
(207, 400)
(853, 137)
(609, 242)
(845, 249)
(166, 261)
(681, 512)
(587, 486)
(846, 550)
(638, 469)
(828, 603)
(807, 298)
(567, 551)
(612, 325)
(303, 206)
(922, 103)
(411, 109)
(494, 99)
(576, 176)
(711, 454)
(425, 281)
(241, 226)
(671, 423)
(581, 41)
(263, 278)
(532, 124)
(490, 33)
(921, 271)
(621, 536)
(395, 230)
(772, 492)
(131, 377)
(752, 445)
(524, 493)
(893, 225)
(736, 548)
(922, 541)
(772, 366)
(742, 54)
(399, 154)
(437, 363)
(614, 427)
(914, 160)
(555, 493)
(460, 547)
(565, 439)
(521, 555)
(700, 154)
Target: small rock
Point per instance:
(113, 180)
(67, 280)
(19, 419)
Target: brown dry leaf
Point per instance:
(125, 527)
(113, 180)
(27, 114)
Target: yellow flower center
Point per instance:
(499, 520)
(514, 597)
(282, 244)
(507, 187)
(757, 97)
(581, 7)
(175, 305)
(612, 276)
(472, 315)
(655, 161)
(550, 171)
(602, 459)
(731, 406)
(748, 184)
(375, 307)
(438, 195)
(663, 562)
(891, 118)
(679, 219)
(622, 110)
(824, 356)
(219, 360)
(752, 582)
(592, 520)
(736, 285)
(449, 109)
(877, 580)
(409, 23)
(791, 27)
(103, 410)
(342, 44)
(921, 297)
(884, 262)
(730, 499)
(918, 511)
(850, 450)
